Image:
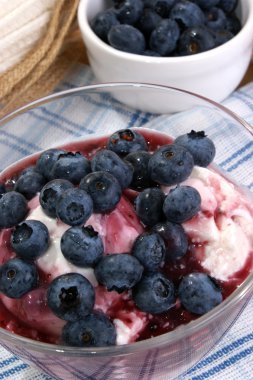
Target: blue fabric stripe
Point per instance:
(63, 119)
(224, 351)
(153, 365)
(225, 364)
(15, 147)
(103, 103)
(75, 371)
(133, 119)
(146, 118)
(144, 367)
(8, 361)
(101, 369)
(56, 124)
(37, 362)
(20, 140)
(245, 98)
(240, 162)
(236, 154)
(13, 371)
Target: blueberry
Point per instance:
(46, 161)
(148, 21)
(161, 7)
(170, 164)
(149, 248)
(222, 36)
(181, 204)
(128, 11)
(30, 239)
(82, 246)
(187, 14)
(206, 4)
(199, 293)
(108, 161)
(126, 141)
(104, 190)
(93, 330)
(154, 294)
(71, 296)
(102, 23)
(228, 5)
(74, 206)
(175, 239)
(13, 209)
(164, 37)
(51, 192)
(71, 166)
(2, 188)
(118, 271)
(149, 206)
(29, 182)
(199, 145)
(151, 53)
(216, 18)
(17, 277)
(139, 161)
(233, 24)
(195, 40)
(127, 38)
(29, 170)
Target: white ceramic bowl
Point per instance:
(214, 73)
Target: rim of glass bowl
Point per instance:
(183, 331)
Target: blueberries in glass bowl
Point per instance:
(167, 28)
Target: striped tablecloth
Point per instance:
(232, 358)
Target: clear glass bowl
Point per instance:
(86, 112)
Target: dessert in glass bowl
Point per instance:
(114, 242)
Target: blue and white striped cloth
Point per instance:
(232, 358)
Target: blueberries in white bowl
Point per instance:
(163, 27)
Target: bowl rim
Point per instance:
(183, 331)
(91, 38)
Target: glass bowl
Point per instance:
(86, 112)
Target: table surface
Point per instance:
(249, 75)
